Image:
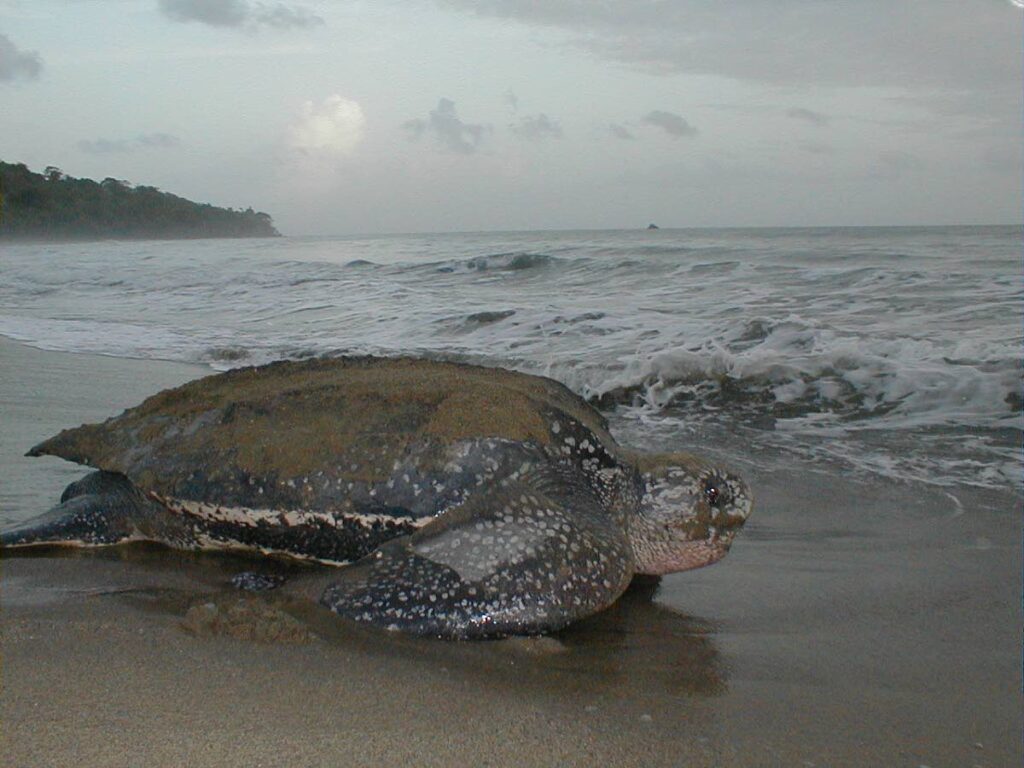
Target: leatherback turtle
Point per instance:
(470, 501)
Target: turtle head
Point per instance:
(688, 514)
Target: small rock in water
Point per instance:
(646, 718)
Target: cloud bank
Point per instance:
(945, 44)
(448, 129)
(15, 63)
(239, 13)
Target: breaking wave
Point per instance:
(787, 370)
(509, 262)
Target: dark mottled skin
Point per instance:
(482, 502)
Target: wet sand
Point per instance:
(854, 623)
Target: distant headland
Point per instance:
(54, 206)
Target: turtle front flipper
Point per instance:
(100, 509)
(531, 555)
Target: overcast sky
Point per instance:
(438, 115)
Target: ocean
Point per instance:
(865, 383)
(872, 351)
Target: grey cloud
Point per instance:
(15, 63)
(808, 116)
(121, 146)
(674, 125)
(534, 127)
(948, 44)
(447, 128)
(621, 132)
(216, 13)
(512, 100)
(238, 13)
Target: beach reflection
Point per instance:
(651, 643)
(636, 648)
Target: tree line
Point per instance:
(52, 205)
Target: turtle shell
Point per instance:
(307, 434)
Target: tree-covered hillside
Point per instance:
(53, 205)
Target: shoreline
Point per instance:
(44, 240)
(828, 636)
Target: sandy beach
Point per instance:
(857, 622)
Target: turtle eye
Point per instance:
(715, 492)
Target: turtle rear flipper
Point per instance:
(531, 555)
(100, 509)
